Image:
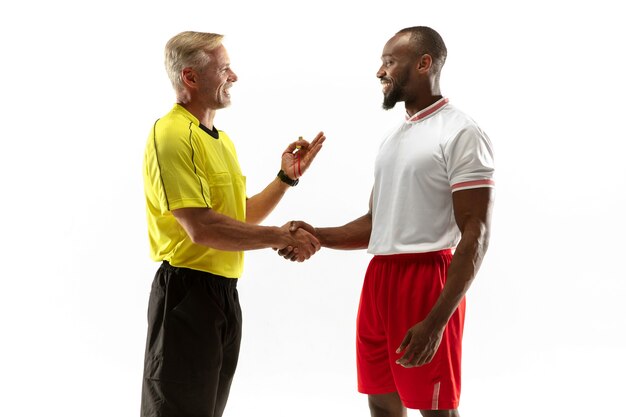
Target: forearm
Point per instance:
(353, 235)
(463, 268)
(240, 236)
(259, 206)
(221, 232)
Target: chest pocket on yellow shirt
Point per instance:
(228, 194)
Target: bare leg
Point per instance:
(386, 405)
(440, 413)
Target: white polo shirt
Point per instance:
(432, 154)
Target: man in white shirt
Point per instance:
(428, 229)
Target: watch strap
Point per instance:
(284, 178)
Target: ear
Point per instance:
(424, 63)
(189, 77)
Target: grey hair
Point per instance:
(188, 49)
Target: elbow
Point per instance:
(197, 224)
(208, 238)
(484, 243)
(475, 238)
(485, 235)
(253, 220)
(195, 237)
(483, 232)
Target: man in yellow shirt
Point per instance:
(199, 223)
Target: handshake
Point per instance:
(301, 241)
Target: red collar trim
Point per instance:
(433, 108)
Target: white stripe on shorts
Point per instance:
(435, 404)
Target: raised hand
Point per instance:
(298, 156)
(289, 252)
(303, 244)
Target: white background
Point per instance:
(82, 82)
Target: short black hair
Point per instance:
(427, 41)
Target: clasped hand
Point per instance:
(294, 252)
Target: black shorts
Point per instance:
(194, 333)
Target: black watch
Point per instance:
(284, 178)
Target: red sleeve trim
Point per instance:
(474, 184)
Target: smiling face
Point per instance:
(396, 73)
(216, 79)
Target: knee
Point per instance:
(386, 405)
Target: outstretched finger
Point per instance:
(319, 138)
(316, 144)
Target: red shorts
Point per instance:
(398, 292)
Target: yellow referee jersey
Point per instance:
(185, 166)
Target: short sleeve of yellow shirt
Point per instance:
(184, 166)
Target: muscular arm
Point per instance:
(472, 211)
(210, 228)
(353, 235)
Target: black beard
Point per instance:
(390, 100)
(396, 92)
